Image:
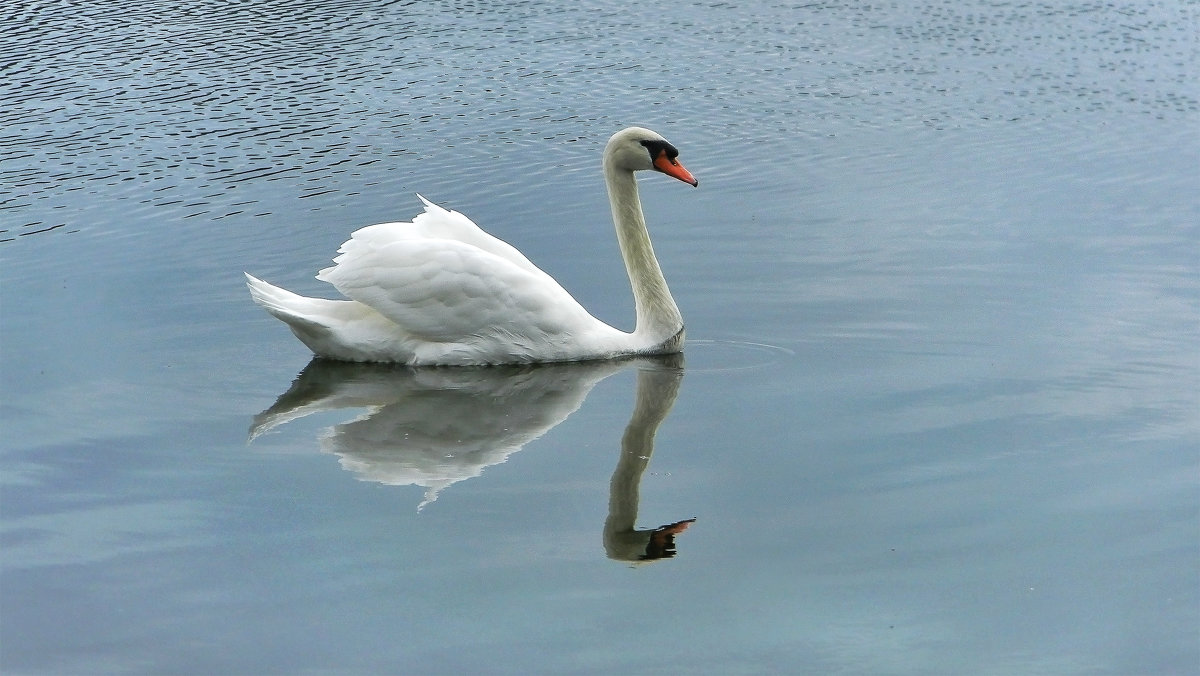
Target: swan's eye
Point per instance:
(659, 148)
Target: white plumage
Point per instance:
(440, 290)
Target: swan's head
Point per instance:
(637, 149)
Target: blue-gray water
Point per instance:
(940, 411)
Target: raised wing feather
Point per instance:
(436, 223)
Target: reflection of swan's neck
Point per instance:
(657, 389)
(658, 318)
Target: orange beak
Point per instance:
(674, 169)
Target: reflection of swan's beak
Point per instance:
(662, 540)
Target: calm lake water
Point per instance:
(939, 412)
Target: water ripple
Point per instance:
(216, 110)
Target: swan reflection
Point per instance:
(433, 427)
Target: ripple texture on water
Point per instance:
(209, 111)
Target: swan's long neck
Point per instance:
(658, 318)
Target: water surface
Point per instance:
(938, 414)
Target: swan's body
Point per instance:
(440, 290)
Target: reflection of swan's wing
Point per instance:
(460, 421)
(434, 426)
(326, 385)
(389, 447)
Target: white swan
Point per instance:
(440, 290)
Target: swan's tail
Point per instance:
(338, 329)
(289, 307)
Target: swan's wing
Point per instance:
(436, 223)
(450, 291)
